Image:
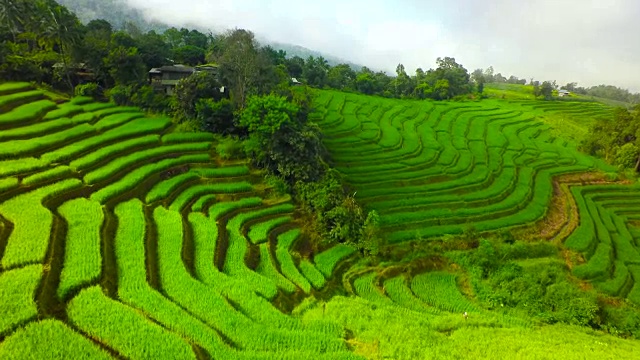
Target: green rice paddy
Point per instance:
(120, 239)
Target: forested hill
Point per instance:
(120, 15)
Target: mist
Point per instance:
(586, 41)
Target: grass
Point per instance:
(387, 331)
(17, 290)
(27, 113)
(55, 173)
(260, 231)
(314, 276)
(193, 192)
(327, 260)
(137, 127)
(162, 253)
(439, 289)
(28, 243)
(435, 169)
(95, 157)
(35, 340)
(16, 148)
(133, 178)
(124, 162)
(127, 331)
(287, 266)
(82, 256)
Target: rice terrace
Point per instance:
(122, 239)
(176, 193)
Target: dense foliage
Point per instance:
(617, 139)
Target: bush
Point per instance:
(337, 216)
(627, 155)
(215, 116)
(279, 185)
(146, 98)
(190, 126)
(200, 85)
(230, 148)
(120, 94)
(88, 89)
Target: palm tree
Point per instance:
(12, 16)
(59, 27)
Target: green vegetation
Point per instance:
(17, 288)
(82, 258)
(35, 340)
(445, 214)
(487, 165)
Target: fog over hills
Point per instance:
(567, 40)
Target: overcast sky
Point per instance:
(587, 41)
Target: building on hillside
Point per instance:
(166, 78)
(295, 82)
(563, 93)
(79, 72)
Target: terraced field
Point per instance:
(609, 238)
(435, 169)
(121, 239)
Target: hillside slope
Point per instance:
(121, 239)
(436, 168)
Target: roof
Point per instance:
(70, 66)
(174, 68)
(295, 81)
(563, 91)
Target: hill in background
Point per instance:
(119, 13)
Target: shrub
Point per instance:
(88, 89)
(189, 126)
(230, 148)
(215, 116)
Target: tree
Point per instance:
(154, 51)
(62, 28)
(280, 139)
(402, 82)
(546, 90)
(488, 74)
(14, 15)
(215, 116)
(450, 79)
(189, 55)
(617, 139)
(200, 85)
(341, 77)
(275, 57)
(173, 38)
(125, 65)
(295, 66)
(239, 64)
(365, 83)
(477, 74)
(194, 38)
(315, 71)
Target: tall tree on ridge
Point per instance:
(239, 64)
(62, 28)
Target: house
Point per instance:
(295, 82)
(563, 93)
(166, 78)
(80, 72)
